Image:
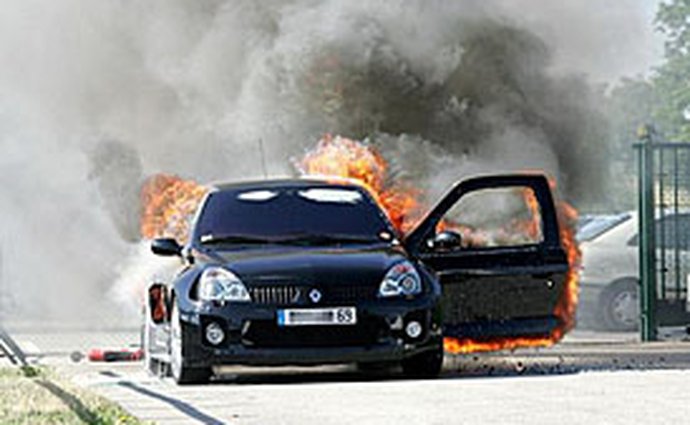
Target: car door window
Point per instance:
(496, 217)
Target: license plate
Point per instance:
(317, 316)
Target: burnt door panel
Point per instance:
(494, 298)
(510, 286)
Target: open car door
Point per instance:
(495, 244)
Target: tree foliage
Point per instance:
(634, 101)
(672, 80)
(661, 99)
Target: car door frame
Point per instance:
(545, 261)
(539, 183)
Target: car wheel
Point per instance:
(620, 306)
(425, 365)
(180, 373)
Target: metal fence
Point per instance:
(664, 229)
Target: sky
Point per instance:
(604, 39)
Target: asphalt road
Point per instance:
(590, 377)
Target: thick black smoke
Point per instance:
(498, 106)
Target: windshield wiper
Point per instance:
(325, 239)
(296, 239)
(233, 239)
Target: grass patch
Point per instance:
(36, 396)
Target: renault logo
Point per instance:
(315, 296)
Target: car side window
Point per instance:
(491, 218)
(670, 232)
(684, 232)
(674, 232)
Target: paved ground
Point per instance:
(591, 383)
(597, 377)
(623, 397)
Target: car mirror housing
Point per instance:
(447, 240)
(167, 247)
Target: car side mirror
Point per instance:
(447, 240)
(167, 247)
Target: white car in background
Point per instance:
(609, 279)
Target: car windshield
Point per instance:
(309, 215)
(598, 225)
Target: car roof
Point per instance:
(285, 183)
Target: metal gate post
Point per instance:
(647, 249)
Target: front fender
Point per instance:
(182, 288)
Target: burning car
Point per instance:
(307, 271)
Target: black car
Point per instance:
(302, 272)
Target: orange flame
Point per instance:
(349, 159)
(533, 226)
(169, 202)
(567, 305)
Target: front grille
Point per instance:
(267, 334)
(292, 295)
(275, 295)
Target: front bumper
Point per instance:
(254, 338)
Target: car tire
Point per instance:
(619, 306)
(181, 373)
(425, 365)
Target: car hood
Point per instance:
(321, 266)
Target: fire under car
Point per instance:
(306, 272)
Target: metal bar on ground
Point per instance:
(5, 352)
(12, 349)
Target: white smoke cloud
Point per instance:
(602, 39)
(192, 87)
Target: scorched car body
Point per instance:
(297, 272)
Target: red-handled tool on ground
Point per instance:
(96, 355)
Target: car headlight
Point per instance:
(401, 279)
(219, 284)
